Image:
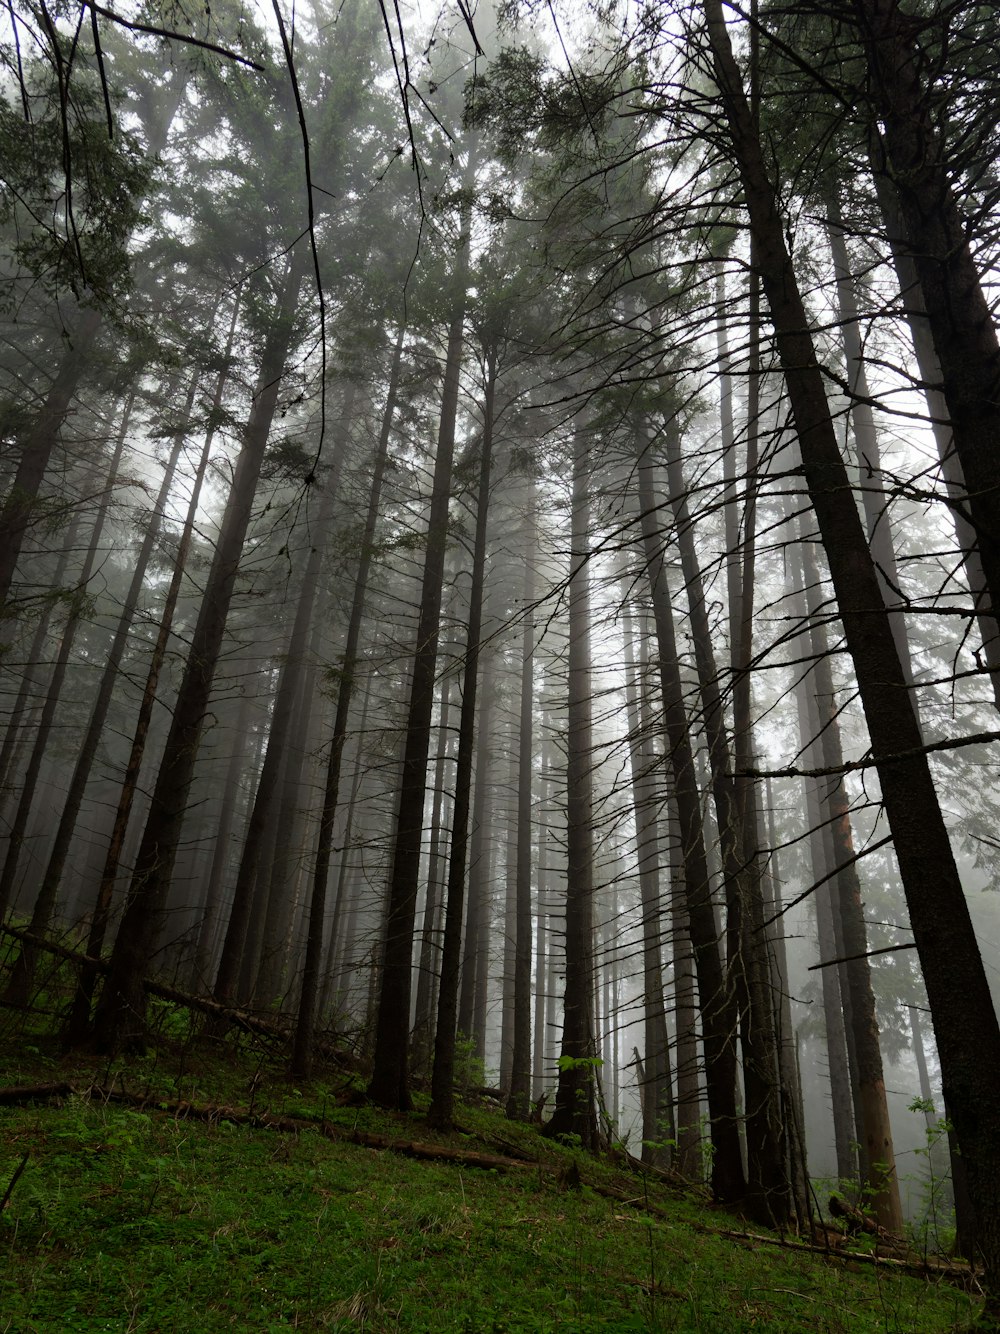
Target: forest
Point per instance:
(499, 532)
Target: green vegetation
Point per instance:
(142, 1219)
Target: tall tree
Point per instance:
(121, 1011)
(441, 1110)
(520, 1061)
(964, 1019)
(937, 238)
(658, 1121)
(715, 998)
(308, 995)
(575, 1110)
(293, 670)
(389, 1084)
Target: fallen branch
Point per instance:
(431, 1152)
(182, 1110)
(917, 1268)
(239, 1018)
(924, 1267)
(13, 1181)
(854, 1220)
(61, 951)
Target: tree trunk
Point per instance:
(929, 368)
(874, 1125)
(575, 1103)
(767, 1099)
(429, 967)
(222, 851)
(659, 1129)
(441, 1112)
(306, 1017)
(791, 1086)
(121, 1014)
(965, 1022)
(821, 862)
(345, 906)
(475, 963)
(871, 481)
(749, 974)
(227, 978)
(282, 871)
(508, 927)
(389, 1086)
(16, 516)
(519, 1097)
(543, 935)
(78, 1024)
(109, 677)
(18, 723)
(937, 237)
(689, 1160)
(718, 1011)
(23, 972)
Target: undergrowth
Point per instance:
(138, 1219)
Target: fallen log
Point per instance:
(434, 1152)
(182, 1110)
(854, 1220)
(239, 1018)
(21, 1093)
(916, 1267)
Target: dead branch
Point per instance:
(855, 766)
(917, 1267)
(182, 1110)
(239, 1018)
(430, 1152)
(13, 1181)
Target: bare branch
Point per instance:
(171, 36)
(855, 766)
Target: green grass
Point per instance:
(133, 1220)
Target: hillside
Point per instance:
(200, 1193)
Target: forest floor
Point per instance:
(196, 1189)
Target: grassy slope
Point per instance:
(133, 1220)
